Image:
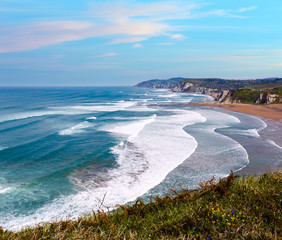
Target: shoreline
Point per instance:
(272, 116)
(271, 134)
(259, 160)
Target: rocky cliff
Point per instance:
(262, 91)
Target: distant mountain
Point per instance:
(159, 83)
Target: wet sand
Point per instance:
(265, 152)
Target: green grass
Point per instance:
(246, 96)
(234, 208)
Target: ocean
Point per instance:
(67, 151)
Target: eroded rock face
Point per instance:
(226, 96)
(266, 98)
(182, 87)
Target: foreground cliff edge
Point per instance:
(233, 208)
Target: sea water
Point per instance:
(67, 151)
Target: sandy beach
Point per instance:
(272, 116)
(273, 111)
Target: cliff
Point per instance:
(261, 91)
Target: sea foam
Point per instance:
(150, 150)
(4, 190)
(76, 129)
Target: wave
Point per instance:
(130, 129)
(274, 143)
(69, 110)
(149, 152)
(111, 107)
(2, 148)
(19, 116)
(167, 95)
(216, 153)
(247, 132)
(91, 118)
(4, 190)
(75, 129)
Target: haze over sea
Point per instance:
(66, 151)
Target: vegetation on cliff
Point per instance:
(233, 208)
(258, 96)
(259, 91)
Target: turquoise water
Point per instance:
(64, 150)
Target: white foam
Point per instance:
(111, 107)
(76, 129)
(69, 110)
(2, 148)
(91, 118)
(24, 115)
(274, 143)
(217, 153)
(4, 190)
(167, 95)
(155, 148)
(131, 129)
(18, 116)
(140, 108)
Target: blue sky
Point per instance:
(73, 43)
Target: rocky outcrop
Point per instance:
(267, 98)
(227, 96)
(222, 96)
(193, 88)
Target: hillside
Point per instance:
(158, 83)
(234, 208)
(258, 91)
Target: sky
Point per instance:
(120, 43)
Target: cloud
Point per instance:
(177, 36)
(33, 36)
(217, 13)
(110, 54)
(137, 45)
(161, 10)
(247, 9)
(123, 21)
(128, 40)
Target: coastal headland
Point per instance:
(260, 97)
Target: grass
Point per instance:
(234, 208)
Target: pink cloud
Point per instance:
(128, 40)
(137, 45)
